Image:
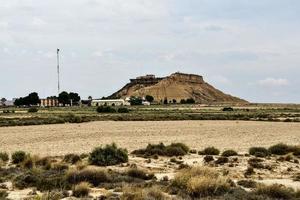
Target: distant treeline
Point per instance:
(63, 98)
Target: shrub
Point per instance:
(43, 162)
(138, 173)
(221, 160)
(249, 171)
(105, 109)
(60, 166)
(247, 183)
(81, 190)
(28, 162)
(123, 110)
(275, 191)
(204, 186)
(208, 158)
(53, 195)
(209, 151)
(201, 182)
(109, 155)
(256, 163)
(227, 109)
(259, 151)
(174, 149)
(229, 153)
(33, 110)
(93, 176)
(279, 149)
(18, 157)
(72, 158)
(135, 193)
(4, 156)
(43, 180)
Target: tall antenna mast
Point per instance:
(58, 86)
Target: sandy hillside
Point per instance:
(77, 138)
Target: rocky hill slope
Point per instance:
(176, 86)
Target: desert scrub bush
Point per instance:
(139, 173)
(249, 171)
(136, 193)
(174, 149)
(229, 153)
(33, 110)
(43, 162)
(81, 190)
(247, 183)
(259, 151)
(93, 176)
(208, 158)
(4, 156)
(201, 182)
(54, 195)
(279, 149)
(123, 110)
(72, 158)
(275, 191)
(209, 151)
(43, 180)
(105, 109)
(18, 157)
(108, 155)
(222, 160)
(282, 149)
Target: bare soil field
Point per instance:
(78, 138)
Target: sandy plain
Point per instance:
(78, 138)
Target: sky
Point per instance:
(247, 48)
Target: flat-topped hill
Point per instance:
(177, 86)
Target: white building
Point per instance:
(109, 102)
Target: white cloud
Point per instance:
(98, 54)
(37, 22)
(219, 79)
(273, 82)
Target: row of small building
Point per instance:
(50, 102)
(94, 102)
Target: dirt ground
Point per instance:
(77, 138)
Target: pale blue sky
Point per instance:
(248, 48)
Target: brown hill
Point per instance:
(176, 86)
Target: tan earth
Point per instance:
(77, 138)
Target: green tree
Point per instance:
(190, 101)
(31, 99)
(149, 98)
(3, 100)
(74, 97)
(136, 100)
(64, 98)
(165, 101)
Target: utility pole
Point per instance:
(58, 84)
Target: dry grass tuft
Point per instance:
(135, 193)
(201, 182)
(81, 190)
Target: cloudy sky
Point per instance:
(248, 48)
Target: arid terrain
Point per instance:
(78, 138)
